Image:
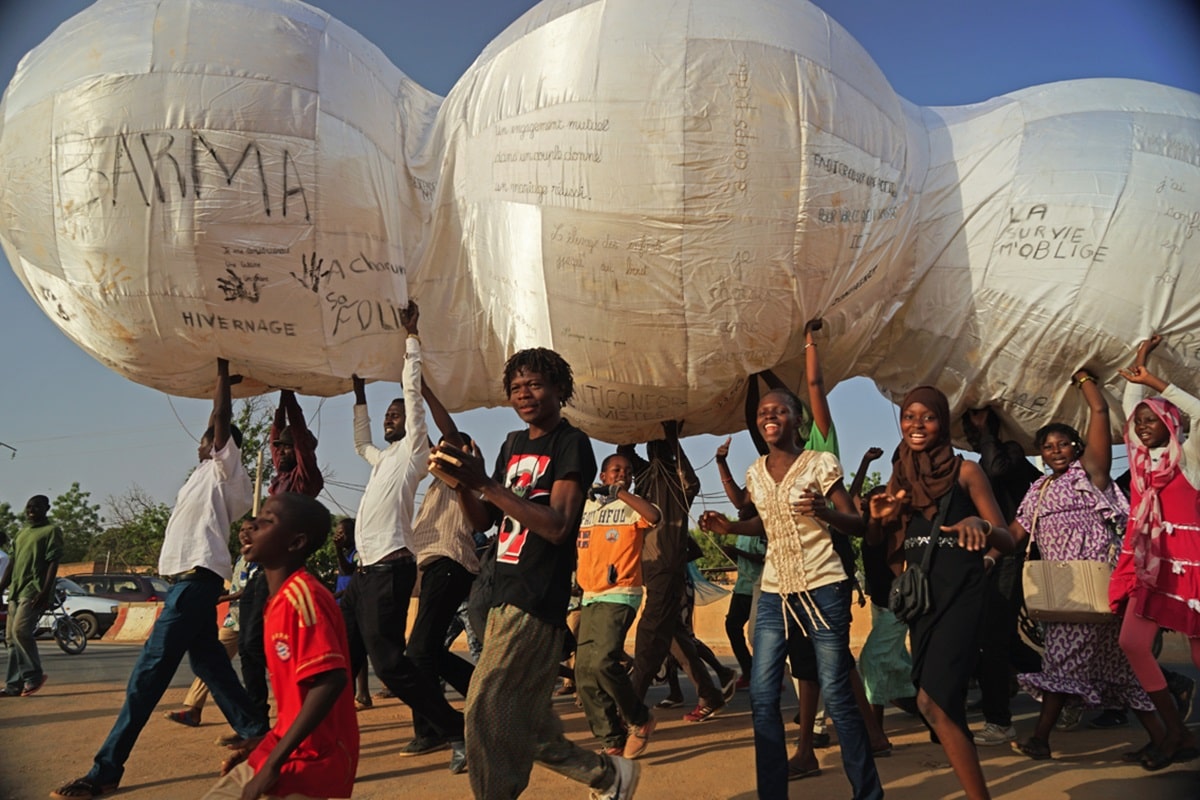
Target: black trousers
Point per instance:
(444, 585)
(375, 607)
(661, 630)
(251, 606)
(1000, 644)
(735, 628)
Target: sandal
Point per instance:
(183, 717)
(1154, 759)
(1135, 756)
(363, 703)
(82, 787)
(1037, 749)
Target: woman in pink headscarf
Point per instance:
(1157, 579)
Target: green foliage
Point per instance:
(135, 536)
(10, 522)
(253, 416)
(79, 520)
(323, 563)
(710, 543)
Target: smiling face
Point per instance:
(777, 419)
(919, 426)
(393, 422)
(1058, 451)
(617, 469)
(1148, 428)
(534, 399)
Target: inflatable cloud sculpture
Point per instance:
(662, 191)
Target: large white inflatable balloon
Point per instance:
(189, 179)
(663, 191)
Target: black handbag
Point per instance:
(910, 597)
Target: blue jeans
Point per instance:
(830, 635)
(188, 624)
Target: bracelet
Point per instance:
(809, 344)
(990, 559)
(726, 480)
(1081, 381)
(414, 336)
(988, 532)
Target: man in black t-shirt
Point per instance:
(536, 494)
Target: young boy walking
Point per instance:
(609, 571)
(313, 749)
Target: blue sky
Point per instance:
(72, 419)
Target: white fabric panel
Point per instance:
(662, 190)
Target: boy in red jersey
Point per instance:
(313, 749)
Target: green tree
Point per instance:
(253, 416)
(79, 519)
(136, 535)
(10, 521)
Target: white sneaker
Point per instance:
(624, 783)
(996, 734)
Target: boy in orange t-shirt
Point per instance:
(609, 570)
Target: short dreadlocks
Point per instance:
(550, 365)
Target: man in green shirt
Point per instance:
(37, 549)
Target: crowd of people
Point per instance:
(547, 559)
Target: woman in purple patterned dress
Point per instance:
(1072, 514)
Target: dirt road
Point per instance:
(51, 737)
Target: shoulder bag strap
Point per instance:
(935, 531)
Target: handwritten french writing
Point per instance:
(362, 315)
(841, 169)
(743, 132)
(842, 216)
(241, 324)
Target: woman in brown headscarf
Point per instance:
(943, 639)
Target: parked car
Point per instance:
(127, 587)
(94, 614)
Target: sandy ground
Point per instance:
(51, 737)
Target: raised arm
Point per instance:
(736, 494)
(222, 413)
(415, 424)
(441, 417)
(362, 423)
(860, 476)
(1135, 389)
(1097, 453)
(817, 400)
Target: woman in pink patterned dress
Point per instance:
(1157, 579)
(1074, 514)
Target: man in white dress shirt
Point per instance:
(375, 606)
